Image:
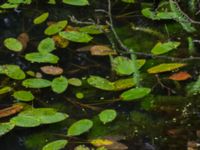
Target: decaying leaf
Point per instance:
(101, 50)
(11, 110)
(60, 41)
(52, 70)
(180, 76)
(24, 39)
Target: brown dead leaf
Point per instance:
(101, 50)
(11, 110)
(24, 39)
(70, 28)
(180, 76)
(52, 70)
(60, 41)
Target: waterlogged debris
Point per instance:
(13, 44)
(24, 39)
(76, 2)
(52, 70)
(11, 110)
(55, 27)
(42, 58)
(42, 18)
(25, 96)
(135, 93)
(36, 83)
(107, 115)
(59, 84)
(101, 50)
(79, 127)
(162, 48)
(165, 67)
(55, 145)
(93, 29)
(6, 127)
(60, 41)
(5, 89)
(75, 81)
(75, 36)
(47, 45)
(180, 76)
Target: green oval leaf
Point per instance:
(107, 115)
(47, 45)
(23, 96)
(36, 83)
(92, 29)
(13, 44)
(5, 89)
(40, 19)
(135, 93)
(42, 58)
(59, 84)
(6, 127)
(76, 2)
(55, 145)
(56, 27)
(123, 84)
(79, 127)
(75, 81)
(76, 36)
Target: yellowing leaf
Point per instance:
(101, 142)
(40, 19)
(60, 41)
(180, 76)
(165, 67)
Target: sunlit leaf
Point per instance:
(55, 145)
(36, 83)
(13, 44)
(135, 93)
(180, 76)
(79, 127)
(6, 127)
(59, 84)
(47, 45)
(56, 27)
(165, 67)
(23, 96)
(40, 19)
(107, 115)
(101, 142)
(76, 2)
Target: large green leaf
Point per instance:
(13, 44)
(56, 27)
(135, 93)
(42, 58)
(23, 96)
(55, 145)
(6, 127)
(47, 45)
(79, 127)
(76, 2)
(59, 84)
(36, 83)
(165, 67)
(76, 36)
(107, 115)
(40, 19)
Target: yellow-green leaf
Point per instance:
(40, 19)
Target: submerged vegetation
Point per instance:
(99, 75)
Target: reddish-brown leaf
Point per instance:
(101, 50)
(11, 110)
(52, 70)
(180, 76)
(24, 39)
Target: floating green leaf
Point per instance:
(6, 127)
(59, 84)
(161, 48)
(5, 89)
(75, 81)
(123, 84)
(36, 83)
(8, 6)
(107, 115)
(79, 127)
(47, 45)
(23, 96)
(42, 58)
(76, 2)
(55, 145)
(135, 93)
(40, 19)
(165, 67)
(92, 29)
(13, 44)
(193, 88)
(76, 36)
(56, 27)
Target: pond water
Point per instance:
(168, 118)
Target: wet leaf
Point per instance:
(47, 45)
(101, 50)
(79, 127)
(76, 2)
(161, 48)
(36, 83)
(59, 84)
(165, 67)
(101, 83)
(42, 58)
(75, 81)
(180, 76)
(135, 93)
(93, 29)
(11, 110)
(6, 127)
(24, 39)
(56, 27)
(13, 44)
(5, 89)
(123, 84)
(25, 96)
(107, 115)
(52, 70)
(55, 145)
(42, 18)
(60, 41)
(76, 36)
